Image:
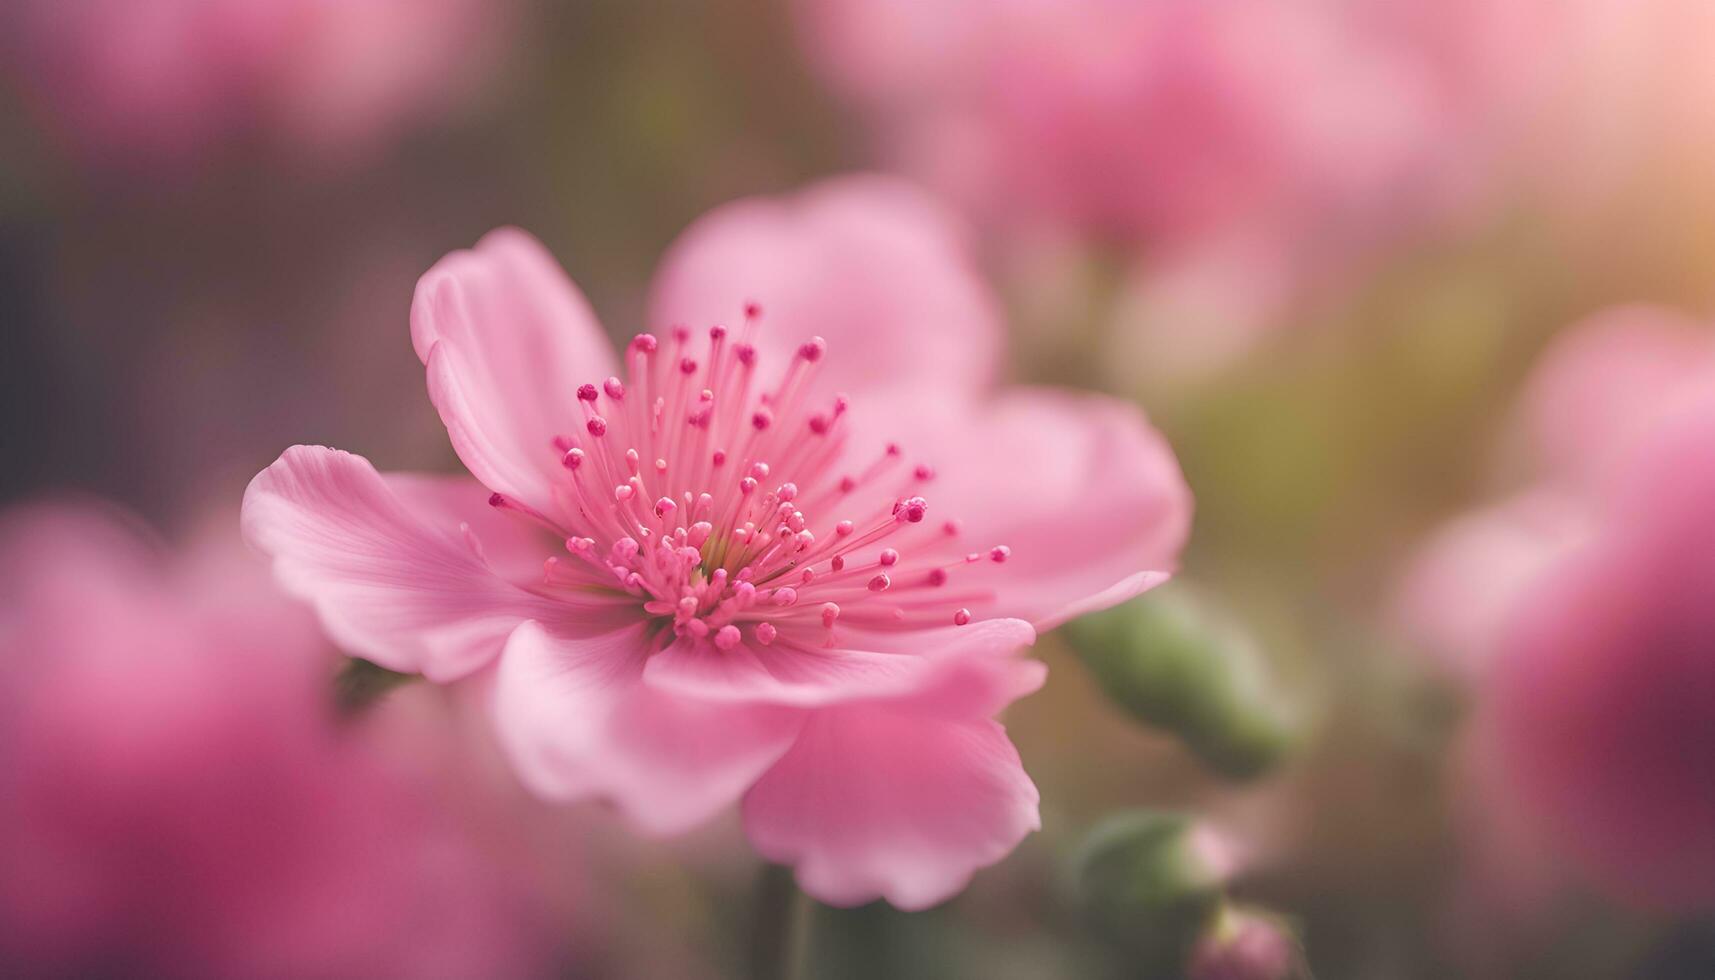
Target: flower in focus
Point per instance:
(704, 570)
(1582, 610)
(167, 80)
(1244, 153)
(176, 798)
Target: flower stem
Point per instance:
(780, 927)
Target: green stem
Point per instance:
(780, 927)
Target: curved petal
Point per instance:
(506, 339)
(1081, 489)
(808, 675)
(406, 589)
(869, 263)
(579, 723)
(901, 799)
(514, 549)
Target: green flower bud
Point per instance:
(1175, 662)
(1151, 884)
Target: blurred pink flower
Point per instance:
(748, 590)
(1585, 609)
(164, 81)
(1245, 143)
(176, 798)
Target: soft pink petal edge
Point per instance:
(1086, 493)
(806, 674)
(871, 263)
(506, 338)
(578, 723)
(902, 799)
(390, 583)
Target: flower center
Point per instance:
(724, 508)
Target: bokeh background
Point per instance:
(1322, 244)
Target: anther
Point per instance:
(727, 637)
(830, 612)
(962, 617)
(614, 387)
(915, 508)
(597, 426)
(889, 557)
(999, 553)
(586, 393)
(765, 633)
(813, 349)
(880, 583)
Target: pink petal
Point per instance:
(1609, 380)
(901, 799)
(405, 588)
(869, 263)
(579, 723)
(1087, 496)
(507, 339)
(806, 674)
(1459, 591)
(513, 548)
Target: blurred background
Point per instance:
(1330, 247)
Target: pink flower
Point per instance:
(715, 577)
(1256, 148)
(1592, 641)
(165, 81)
(176, 798)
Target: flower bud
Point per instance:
(1174, 661)
(1246, 945)
(1151, 883)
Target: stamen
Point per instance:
(715, 556)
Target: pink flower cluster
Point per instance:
(785, 551)
(1241, 148)
(1580, 610)
(165, 81)
(176, 798)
